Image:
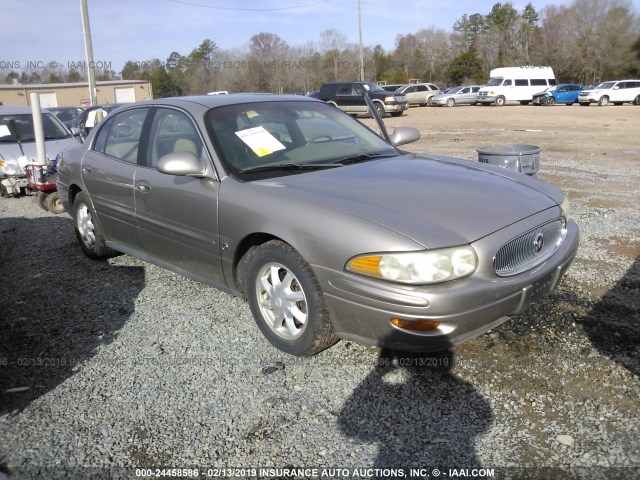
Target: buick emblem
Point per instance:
(538, 242)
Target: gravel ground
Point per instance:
(110, 366)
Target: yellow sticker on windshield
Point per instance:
(260, 141)
(252, 114)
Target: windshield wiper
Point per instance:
(363, 157)
(289, 166)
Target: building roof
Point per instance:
(22, 86)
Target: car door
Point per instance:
(464, 95)
(177, 217)
(108, 171)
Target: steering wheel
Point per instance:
(318, 137)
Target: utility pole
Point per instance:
(89, 51)
(361, 52)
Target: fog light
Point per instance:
(414, 324)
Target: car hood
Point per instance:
(52, 148)
(435, 201)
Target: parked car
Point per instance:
(566, 93)
(349, 97)
(616, 92)
(420, 93)
(90, 116)
(17, 139)
(392, 87)
(66, 114)
(465, 95)
(328, 230)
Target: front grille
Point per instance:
(529, 249)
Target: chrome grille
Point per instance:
(529, 249)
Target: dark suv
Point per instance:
(349, 97)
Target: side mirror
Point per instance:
(404, 135)
(182, 164)
(75, 131)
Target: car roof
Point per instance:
(211, 101)
(8, 110)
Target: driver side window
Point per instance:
(120, 136)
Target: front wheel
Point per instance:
(286, 300)
(379, 109)
(604, 101)
(451, 102)
(550, 101)
(500, 101)
(87, 230)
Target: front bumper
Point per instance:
(362, 308)
(395, 107)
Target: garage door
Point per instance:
(125, 95)
(48, 100)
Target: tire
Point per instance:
(550, 101)
(379, 109)
(286, 300)
(500, 101)
(604, 101)
(88, 231)
(451, 102)
(429, 101)
(53, 203)
(42, 200)
(636, 101)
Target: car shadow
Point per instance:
(613, 323)
(56, 306)
(421, 415)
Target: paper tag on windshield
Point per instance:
(4, 131)
(260, 141)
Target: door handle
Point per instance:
(143, 186)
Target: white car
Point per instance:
(616, 92)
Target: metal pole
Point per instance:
(361, 53)
(38, 130)
(89, 50)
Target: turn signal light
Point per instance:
(414, 324)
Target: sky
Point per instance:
(36, 33)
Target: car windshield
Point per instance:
(374, 87)
(494, 82)
(14, 127)
(66, 114)
(606, 85)
(284, 137)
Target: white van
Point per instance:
(515, 84)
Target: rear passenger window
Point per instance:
(507, 83)
(538, 82)
(121, 135)
(522, 82)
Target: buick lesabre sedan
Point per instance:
(328, 230)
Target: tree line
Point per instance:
(586, 41)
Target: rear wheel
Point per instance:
(636, 101)
(88, 231)
(500, 101)
(604, 101)
(286, 300)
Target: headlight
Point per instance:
(564, 206)
(389, 99)
(11, 167)
(429, 266)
